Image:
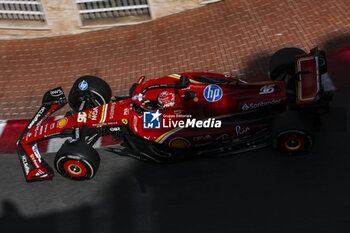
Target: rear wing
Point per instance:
(309, 68)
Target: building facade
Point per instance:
(25, 19)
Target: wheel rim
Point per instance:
(293, 143)
(101, 98)
(74, 168)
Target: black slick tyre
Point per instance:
(77, 161)
(88, 92)
(293, 142)
(291, 133)
(283, 62)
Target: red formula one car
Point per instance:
(181, 116)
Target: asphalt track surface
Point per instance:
(257, 191)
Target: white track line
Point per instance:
(2, 126)
(55, 144)
(98, 143)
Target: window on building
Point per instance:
(22, 14)
(112, 12)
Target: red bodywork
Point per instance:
(236, 94)
(207, 101)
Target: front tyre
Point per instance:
(88, 92)
(293, 142)
(77, 161)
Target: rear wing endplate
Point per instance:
(309, 68)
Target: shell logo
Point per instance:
(62, 123)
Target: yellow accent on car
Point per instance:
(166, 133)
(103, 114)
(178, 77)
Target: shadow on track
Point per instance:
(253, 192)
(336, 43)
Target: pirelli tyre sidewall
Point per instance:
(293, 142)
(77, 161)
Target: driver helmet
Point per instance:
(166, 99)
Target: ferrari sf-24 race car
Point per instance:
(181, 116)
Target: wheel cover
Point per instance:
(293, 143)
(75, 168)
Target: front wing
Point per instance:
(34, 167)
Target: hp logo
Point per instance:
(212, 93)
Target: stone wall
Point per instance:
(62, 18)
(235, 37)
(162, 8)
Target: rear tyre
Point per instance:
(88, 92)
(282, 63)
(291, 133)
(77, 161)
(293, 142)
